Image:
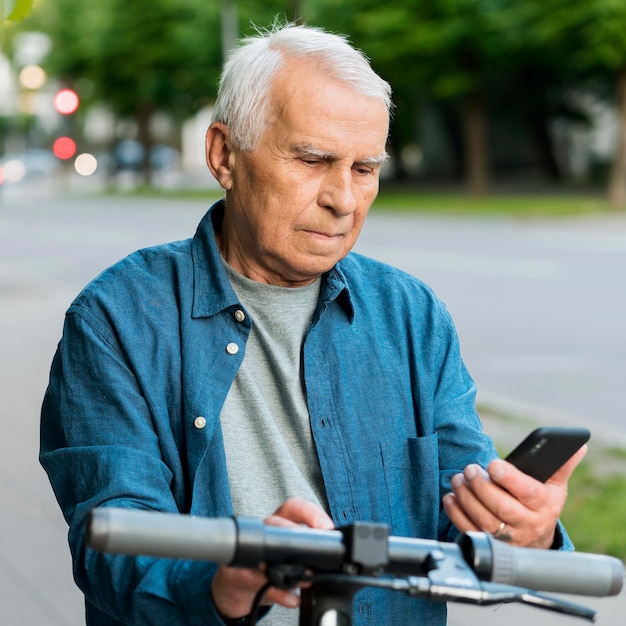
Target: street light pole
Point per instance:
(230, 30)
(296, 10)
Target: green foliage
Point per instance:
(143, 54)
(511, 56)
(168, 51)
(261, 13)
(445, 47)
(14, 10)
(137, 54)
(596, 509)
(518, 205)
(583, 35)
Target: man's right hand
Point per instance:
(234, 588)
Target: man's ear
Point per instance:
(219, 154)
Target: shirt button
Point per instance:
(240, 316)
(232, 348)
(199, 422)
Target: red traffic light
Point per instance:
(66, 101)
(64, 148)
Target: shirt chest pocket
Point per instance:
(411, 471)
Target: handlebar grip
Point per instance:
(136, 532)
(557, 571)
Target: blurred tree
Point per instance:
(14, 9)
(448, 50)
(262, 13)
(139, 56)
(478, 60)
(537, 87)
(144, 56)
(585, 44)
(513, 60)
(617, 182)
(603, 26)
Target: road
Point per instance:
(539, 308)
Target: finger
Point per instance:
(564, 473)
(299, 511)
(457, 515)
(478, 498)
(532, 509)
(527, 490)
(472, 515)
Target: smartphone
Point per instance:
(546, 449)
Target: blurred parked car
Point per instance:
(163, 157)
(128, 154)
(27, 165)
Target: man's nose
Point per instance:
(337, 192)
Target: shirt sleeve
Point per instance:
(100, 447)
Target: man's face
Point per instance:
(296, 204)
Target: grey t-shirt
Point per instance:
(270, 452)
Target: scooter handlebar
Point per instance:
(247, 542)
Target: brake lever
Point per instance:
(483, 594)
(493, 593)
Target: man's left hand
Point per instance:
(509, 504)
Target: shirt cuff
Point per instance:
(558, 542)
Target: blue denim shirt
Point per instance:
(145, 353)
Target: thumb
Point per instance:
(562, 475)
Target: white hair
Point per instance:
(247, 76)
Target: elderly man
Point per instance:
(261, 368)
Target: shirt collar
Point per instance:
(336, 287)
(212, 291)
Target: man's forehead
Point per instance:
(289, 88)
(324, 117)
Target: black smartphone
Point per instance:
(543, 452)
